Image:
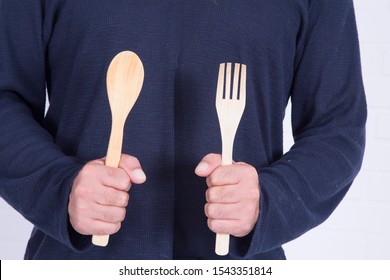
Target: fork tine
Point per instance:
(221, 79)
(235, 81)
(228, 79)
(243, 83)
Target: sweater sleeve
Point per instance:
(301, 190)
(35, 176)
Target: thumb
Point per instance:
(208, 164)
(133, 168)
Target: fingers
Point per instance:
(225, 194)
(218, 175)
(111, 197)
(224, 175)
(108, 214)
(208, 164)
(133, 168)
(103, 228)
(233, 195)
(236, 219)
(129, 171)
(223, 211)
(234, 227)
(94, 227)
(88, 218)
(99, 195)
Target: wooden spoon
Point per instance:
(125, 77)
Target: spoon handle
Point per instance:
(113, 157)
(114, 149)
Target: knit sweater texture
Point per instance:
(306, 50)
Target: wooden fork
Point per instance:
(230, 104)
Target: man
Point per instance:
(53, 169)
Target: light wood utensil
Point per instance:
(230, 104)
(125, 77)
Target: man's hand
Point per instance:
(232, 196)
(99, 196)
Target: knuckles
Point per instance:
(115, 228)
(85, 189)
(79, 225)
(89, 169)
(80, 192)
(244, 192)
(215, 226)
(210, 210)
(123, 199)
(234, 173)
(212, 195)
(116, 215)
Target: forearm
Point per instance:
(301, 189)
(35, 176)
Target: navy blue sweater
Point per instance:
(306, 50)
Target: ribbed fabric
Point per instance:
(306, 50)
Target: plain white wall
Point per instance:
(360, 226)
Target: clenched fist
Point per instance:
(233, 195)
(99, 195)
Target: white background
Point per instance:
(360, 226)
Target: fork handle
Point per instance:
(222, 244)
(227, 153)
(222, 239)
